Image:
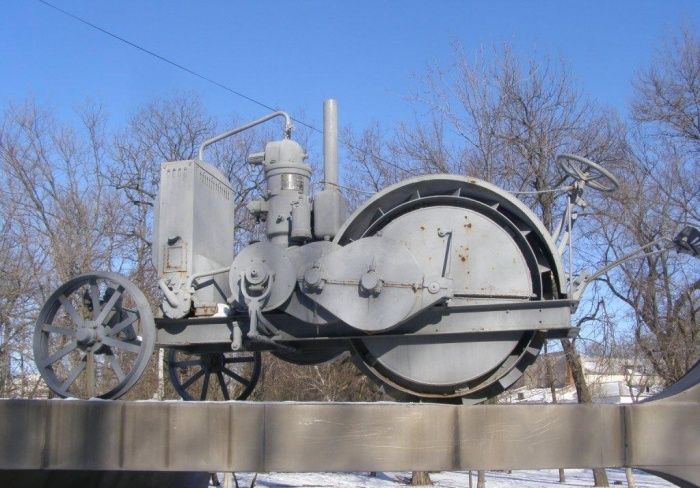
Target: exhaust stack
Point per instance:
(330, 144)
(329, 205)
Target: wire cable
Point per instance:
(537, 192)
(349, 188)
(210, 80)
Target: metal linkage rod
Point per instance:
(288, 127)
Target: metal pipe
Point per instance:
(631, 255)
(585, 279)
(330, 144)
(287, 130)
(202, 274)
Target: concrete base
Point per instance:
(662, 435)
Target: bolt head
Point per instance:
(256, 273)
(370, 282)
(434, 287)
(313, 278)
(85, 336)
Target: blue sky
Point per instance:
(292, 55)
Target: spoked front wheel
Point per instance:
(216, 376)
(94, 337)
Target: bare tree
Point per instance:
(660, 194)
(333, 381)
(61, 217)
(668, 95)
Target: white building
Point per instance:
(611, 380)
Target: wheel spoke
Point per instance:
(222, 383)
(205, 386)
(186, 363)
(73, 375)
(117, 328)
(236, 377)
(64, 331)
(192, 379)
(70, 309)
(239, 359)
(109, 305)
(127, 346)
(61, 353)
(114, 364)
(95, 298)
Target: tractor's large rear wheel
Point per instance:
(495, 251)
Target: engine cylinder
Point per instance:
(288, 179)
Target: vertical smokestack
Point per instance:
(330, 144)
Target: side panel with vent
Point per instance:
(193, 228)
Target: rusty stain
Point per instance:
(422, 227)
(463, 253)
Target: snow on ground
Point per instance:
(494, 479)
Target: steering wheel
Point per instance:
(593, 174)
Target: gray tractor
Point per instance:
(442, 287)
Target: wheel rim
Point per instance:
(94, 337)
(501, 370)
(214, 376)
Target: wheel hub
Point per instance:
(213, 362)
(86, 337)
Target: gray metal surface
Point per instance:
(550, 317)
(193, 232)
(424, 186)
(329, 213)
(329, 205)
(330, 144)
(372, 284)
(482, 259)
(287, 179)
(299, 305)
(192, 332)
(259, 264)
